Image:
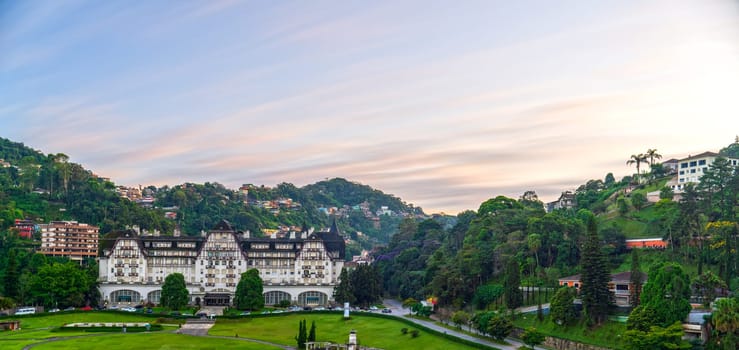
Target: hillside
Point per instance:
(48, 187)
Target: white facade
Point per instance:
(690, 170)
(303, 267)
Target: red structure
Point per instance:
(654, 243)
(25, 228)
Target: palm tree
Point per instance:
(726, 318)
(637, 159)
(652, 155)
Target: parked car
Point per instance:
(374, 308)
(128, 309)
(54, 310)
(243, 313)
(387, 311)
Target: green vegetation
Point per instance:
(249, 291)
(371, 331)
(174, 291)
(152, 341)
(607, 335)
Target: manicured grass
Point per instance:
(151, 341)
(371, 331)
(608, 335)
(41, 326)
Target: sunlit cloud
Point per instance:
(441, 107)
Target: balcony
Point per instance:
(209, 284)
(230, 284)
(210, 275)
(118, 265)
(119, 274)
(133, 274)
(231, 276)
(133, 265)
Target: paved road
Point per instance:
(399, 311)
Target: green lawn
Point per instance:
(371, 331)
(163, 341)
(607, 335)
(39, 327)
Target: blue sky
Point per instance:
(444, 104)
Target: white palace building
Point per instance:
(302, 267)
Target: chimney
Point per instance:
(247, 234)
(292, 235)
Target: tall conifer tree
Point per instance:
(513, 294)
(636, 280)
(596, 297)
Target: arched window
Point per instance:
(154, 297)
(275, 297)
(125, 296)
(312, 298)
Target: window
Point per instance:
(702, 162)
(682, 172)
(692, 171)
(683, 165)
(693, 163)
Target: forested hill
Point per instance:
(49, 187)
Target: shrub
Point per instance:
(414, 333)
(404, 331)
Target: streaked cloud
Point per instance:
(441, 106)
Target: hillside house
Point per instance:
(620, 285)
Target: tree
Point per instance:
(174, 292)
(513, 294)
(249, 291)
(635, 280)
(561, 307)
(623, 206)
(409, 302)
(11, 275)
(723, 242)
(637, 159)
(499, 327)
(344, 292)
(667, 294)
(638, 200)
(487, 294)
(657, 338)
(641, 318)
(532, 337)
(609, 180)
(652, 155)
(725, 319)
(706, 285)
(366, 283)
(302, 336)
(596, 298)
(312, 333)
(61, 284)
(666, 193)
(6, 303)
(460, 318)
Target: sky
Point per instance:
(441, 103)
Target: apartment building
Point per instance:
(690, 169)
(69, 239)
